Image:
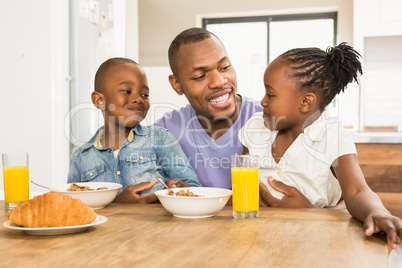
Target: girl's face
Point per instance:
(282, 101)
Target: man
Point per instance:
(207, 129)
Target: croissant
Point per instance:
(52, 209)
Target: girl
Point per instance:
(301, 145)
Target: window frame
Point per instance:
(274, 18)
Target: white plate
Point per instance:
(55, 230)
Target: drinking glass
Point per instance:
(245, 186)
(16, 178)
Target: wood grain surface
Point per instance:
(148, 236)
(381, 165)
(392, 202)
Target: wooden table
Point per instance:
(148, 236)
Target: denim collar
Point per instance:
(95, 141)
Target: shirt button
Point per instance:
(118, 172)
(141, 157)
(91, 174)
(279, 172)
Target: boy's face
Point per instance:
(125, 94)
(207, 78)
(282, 100)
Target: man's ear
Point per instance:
(175, 84)
(308, 102)
(98, 100)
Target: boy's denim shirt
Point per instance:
(147, 152)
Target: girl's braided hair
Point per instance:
(325, 73)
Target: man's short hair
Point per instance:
(101, 73)
(189, 36)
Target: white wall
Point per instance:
(162, 97)
(34, 89)
(376, 18)
(382, 20)
(131, 29)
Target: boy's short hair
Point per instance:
(189, 36)
(101, 73)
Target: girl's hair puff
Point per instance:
(325, 73)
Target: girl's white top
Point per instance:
(306, 163)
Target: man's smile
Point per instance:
(221, 99)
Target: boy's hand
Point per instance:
(387, 223)
(131, 194)
(293, 198)
(177, 184)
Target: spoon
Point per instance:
(47, 187)
(161, 181)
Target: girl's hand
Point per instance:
(177, 184)
(131, 194)
(381, 221)
(293, 197)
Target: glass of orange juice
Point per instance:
(16, 178)
(245, 186)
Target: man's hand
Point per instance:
(177, 184)
(131, 194)
(293, 198)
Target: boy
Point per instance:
(123, 151)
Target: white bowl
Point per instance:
(97, 198)
(213, 200)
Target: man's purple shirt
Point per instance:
(209, 158)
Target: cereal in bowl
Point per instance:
(185, 193)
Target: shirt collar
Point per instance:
(138, 130)
(315, 131)
(318, 128)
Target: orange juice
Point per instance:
(245, 189)
(16, 184)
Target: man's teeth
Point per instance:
(220, 99)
